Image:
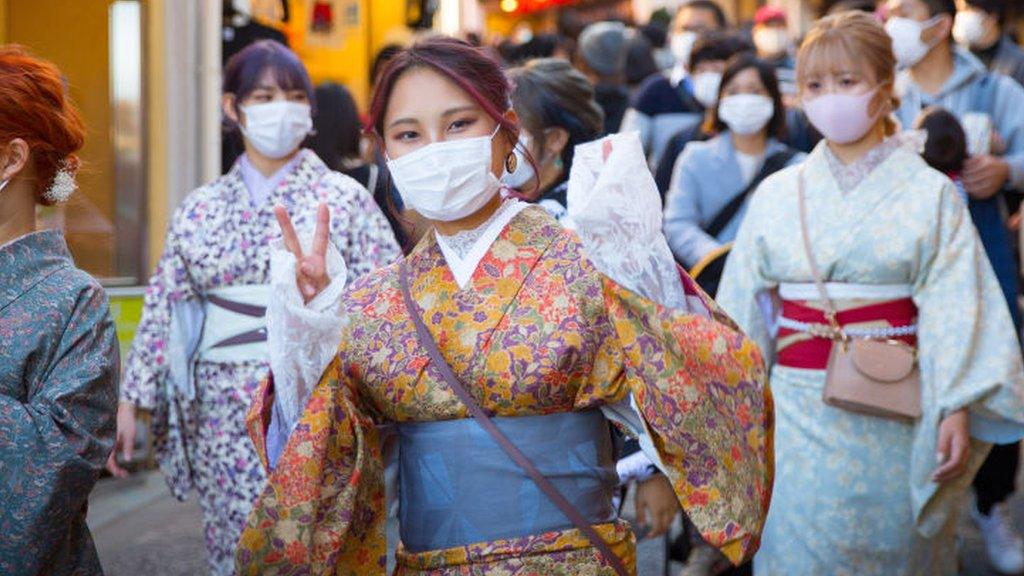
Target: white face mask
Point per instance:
(524, 172)
(705, 87)
(681, 44)
(771, 41)
(449, 180)
(969, 27)
(906, 39)
(746, 114)
(276, 129)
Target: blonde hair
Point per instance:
(855, 39)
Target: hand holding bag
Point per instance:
(874, 377)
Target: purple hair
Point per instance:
(245, 69)
(470, 68)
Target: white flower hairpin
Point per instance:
(63, 184)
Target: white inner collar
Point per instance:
(464, 251)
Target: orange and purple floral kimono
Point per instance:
(537, 331)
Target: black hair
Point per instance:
(710, 6)
(245, 69)
(766, 72)
(835, 7)
(946, 147)
(718, 46)
(639, 58)
(997, 8)
(656, 33)
(937, 7)
(550, 93)
(385, 54)
(338, 130)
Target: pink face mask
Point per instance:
(841, 118)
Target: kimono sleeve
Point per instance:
(323, 509)
(969, 352)
(56, 440)
(147, 364)
(699, 385)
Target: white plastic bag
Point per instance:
(615, 207)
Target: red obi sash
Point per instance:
(812, 352)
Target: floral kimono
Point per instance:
(219, 239)
(901, 258)
(58, 397)
(535, 331)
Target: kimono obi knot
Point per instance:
(458, 487)
(803, 339)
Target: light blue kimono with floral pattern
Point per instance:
(853, 493)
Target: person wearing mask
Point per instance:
(878, 283)
(979, 26)
(714, 178)
(337, 139)
(498, 330)
(708, 63)
(557, 112)
(988, 105)
(59, 362)
(601, 53)
(773, 43)
(664, 105)
(201, 347)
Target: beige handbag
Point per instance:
(874, 377)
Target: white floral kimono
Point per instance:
(853, 494)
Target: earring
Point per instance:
(511, 162)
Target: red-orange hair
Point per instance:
(34, 106)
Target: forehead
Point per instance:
(832, 58)
(905, 7)
(746, 77)
(422, 93)
(695, 17)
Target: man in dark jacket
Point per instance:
(980, 26)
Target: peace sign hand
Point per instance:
(310, 269)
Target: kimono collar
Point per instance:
(305, 170)
(28, 260)
(528, 234)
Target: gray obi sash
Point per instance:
(457, 486)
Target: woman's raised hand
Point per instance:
(310, 268)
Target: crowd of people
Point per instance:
(770, 285)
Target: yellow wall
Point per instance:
(73, 35)
(155, 73)
(3, 21)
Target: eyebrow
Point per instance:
(445, 114)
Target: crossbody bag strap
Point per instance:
(771, 165)
(427, 341)
(805, 233)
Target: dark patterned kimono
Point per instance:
(58, 400)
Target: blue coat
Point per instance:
(706, 178)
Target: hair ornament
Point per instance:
(63, 184)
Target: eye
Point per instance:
(297, 96)
(814, 85)
(406, 136)
(461, 124)
(261, 96)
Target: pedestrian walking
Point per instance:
(200, 350)
(895, 363)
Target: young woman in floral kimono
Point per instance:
(857, 493)
(58, 348)
(201, 349)
(544, 341)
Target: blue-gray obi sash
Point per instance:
(457, 486)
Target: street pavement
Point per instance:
(140, 529)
